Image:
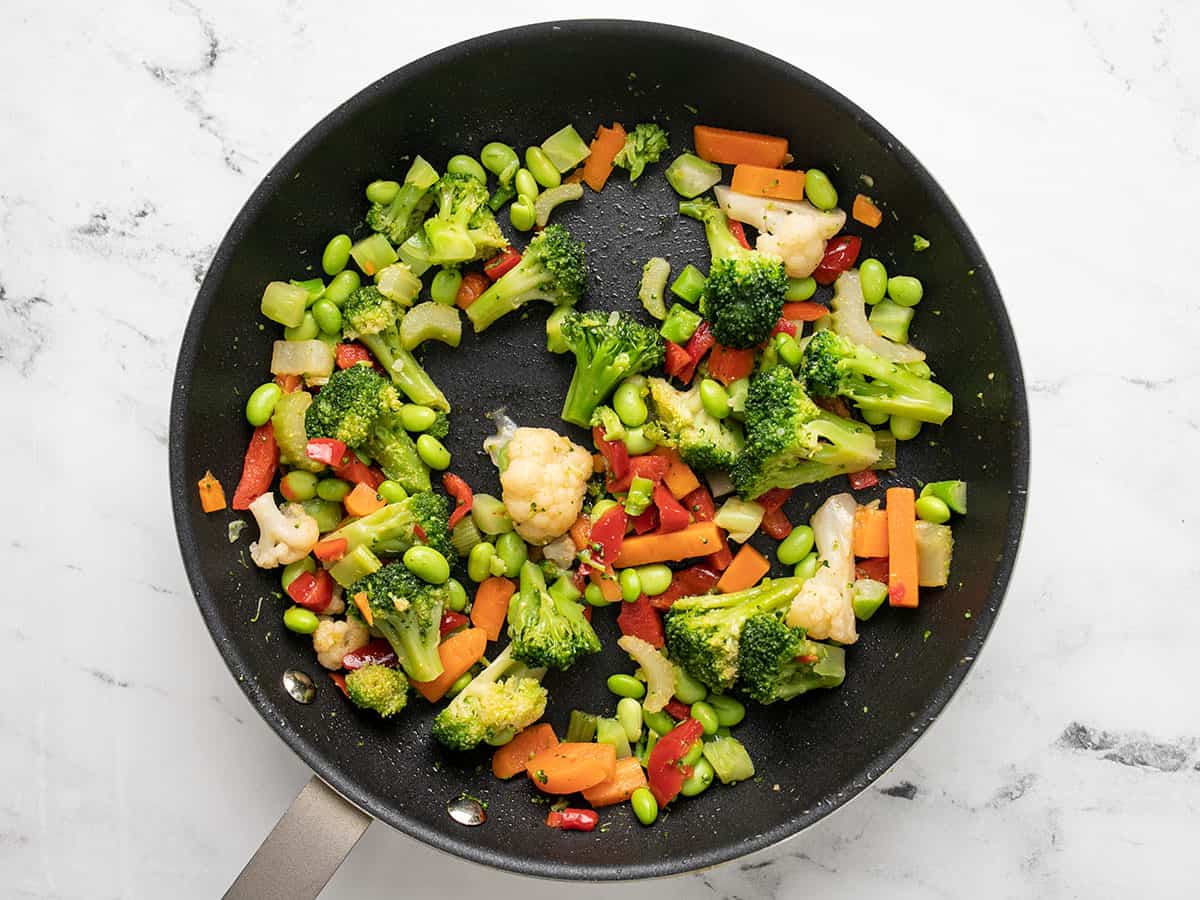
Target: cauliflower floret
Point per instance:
(544, 483)
(795, 231)
(284, 535)
(824, 607)
(334, 638)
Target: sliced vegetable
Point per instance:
(599, 165)
(464, 499)
(891, 320)
(331, 549)
(740, 518)
(727, 364)
(664, 769)
(729, 759)
(362, 501)
(681, 323)
(679, 479)
(935, 547)
(312, 590)
(689, 285)
(573, 819)
(747, 568)
(430, 321)
(690, 582)
(691, 176)
(565, 148)
(760, 181)
(806, 311)
(723, 145)
(458, 653)
(867, 596)
(490, 608)
(373, 253)
(654, 286)
(473, 284)
(865, 211)
(903, 571)
(311, 359)
(549, 199)
(581, 727)
(626, 778)
(776, 524)
(698, 539)
(952, 493)
(567, 768)
(840, 254)
(660, 674)
(212, 495)
(870, 532)
(860, 481)
(512, 758)
(609, 731)
(258, 467)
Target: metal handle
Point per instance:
(304, 849)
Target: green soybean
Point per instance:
(305, 331)
(327, 514)
(260, 405)
(788, 350)
(700, 779)
(461, 164)
(637, 443)
(433, 452)
(391, 491)
(874, 417)
(328, 316)
(872, 275)
(446, 282)
(594, 596)
(629, 714)
(631, 585)
(687, 689)
(427, 564)
(626, 686)
(479, 562)
(904, 428)
(905, 290)
(292, 570)
(807, 567)
(729, 710)
(820, 190)
(512, 550)
(300, 620)
(344, 284)
(501, 160)
(706, 716)
(521, 213)
(334, 490)
(933, 509)
(693, 755)
(336, 254)
(539, 165)
(456, 595)
(415, 417)
(800, 289)
(628, 404)
(659, 721)
(655, 578)
(527, 185)
(645, 807)
(600, 507)
(460, 684)
(795, 546)
(382, 192)
(490, 515)
(298, 485)
(714, 398)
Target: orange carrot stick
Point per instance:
(902, 547)
(804, 311)
(870, 532)
(760, 181)
(490, 608)
(510, 759)
(744, 572)
(605, 147)
(680, 479)
(698, 539)
(721, 145)
(458, 653)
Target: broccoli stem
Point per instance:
(506, 294)
(416, 651)
(407, 374)
(721, 242)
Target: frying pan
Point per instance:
(813, 754)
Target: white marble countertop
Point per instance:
(1068, 133)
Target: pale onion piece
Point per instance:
(719, 482)
(935, 547)
(430, 321)
(560, 551)
(660, 674)
(850, 321)
(740, 518)
(494, 445)
(312, 359)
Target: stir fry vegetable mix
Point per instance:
(722, 397)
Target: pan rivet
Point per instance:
(299, 686)
(466, 811)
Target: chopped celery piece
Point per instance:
(414, 252)
(314, 286)
(654, 285)
(729, 759)
(952, 493)
(885, 443)
(639, 497)
(680, 325)
(421, 174)
(398, 283)
(430, 321)
(740, 518)
(566, 148)
(891, 320)
(548, 199)
(358, 563)
(935, 547)
(284, 303)
(554, 339)
(867, 596)
(691, 176)
(581, 727)
(373, 253)
(610, 731)
(689, 285)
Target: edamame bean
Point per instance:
(292, 570)
(904, 428)
(490, 515)
(456, 595)
(521, 213)
(729, 710)
(511, 549)
(905, 290)
(327, 514)
(714, 398)
(631, 585)
(637, 443)
(687, 689)
(693, 755)
(382, 192)
(334, 490)
(795, 546)
(433, 452)
(788, 350)
(807, 567)
(460, 684)
(655, 578)
(820, 190)
(800, 289)
(600, 507)
(328, 316)
(628, 404)
(706, 716)
(501, 160)
(446, 282)
(391, 491)
(479, 562)
(415, 417)
(526, 185)
(933, 509)
(645, 807)
(305, 331)
(594, 596)
(344, 284)
(300, 620)
(626, 686)
(298, 486)
(699, 780)
(336, 254)
(539, 165)
(659, 721)
(461, 164)
(260, 405)
(427, 564)
(873, 277)
(874, 417)
(629, 714)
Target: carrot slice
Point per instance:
(580, 532)
(362, 501)
(610, 587)
(567, 768)
(364, 606)
(804, 311)
(870, 532)
(490, 608)
(212, 495)
(902, 547)
(458, 653)
(698, 539)
(760, 181)
(605, 147)
(510, 759)
(865, 211)
(680, 479)
(722, 145)
(626, 778)
(744, 572)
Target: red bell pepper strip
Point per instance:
(804, 311)
(860, 481)
(663, 768)
(700, 503)
(330, 550)
(727, 365)
(614, 453)
(462, 494)
(573, 819)
(347, 355)
(739, 232)
(690, 582)
(501, 263)
(648, 466)
(340, 680)
(376, 652)
(677, 710)
(587, 613)
(672, 515)
(642, 620)
(312, 590)
(579, 579)
(325, 450)
(258, 467)
(875, 569)
(784, 326)
(677, 359)
(647, 521)
(420, 534)
(608, 534)
(452, 621)
(698, 344)
(840, 254)
(353, 470)
(774, 498)
(776, 524)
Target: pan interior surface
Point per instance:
(520, 86)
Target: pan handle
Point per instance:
(304, 849)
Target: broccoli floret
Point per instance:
(399, 219)
(744, 293)
(791, 441)
(485, 234)
(501, 700)
(553, 268)
(545, 631)
(836, 367)
(776, 662)
(608, 347)
(703, 633)
(372, 318)
(644, 145)
(392, 529)
(380, 688)
(704, 441)
(408, 612)
(460, 199)
(440, 427)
